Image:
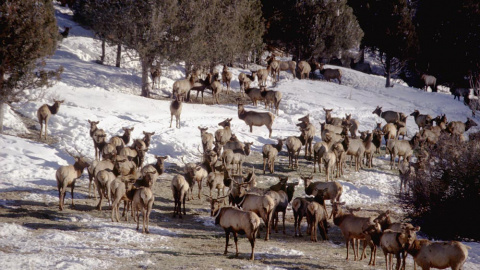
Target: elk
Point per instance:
(354, 148)
(207, 139)
(121, 189)
(236, 157)
(103, 179)
(317, 216)
(45, 112)
(180, 188)
(308, 131)
(217, 88)
(397, 242)
(457, 128)
(201, 85)
(262, 75)
(330, 74)
(66, 177)
(440, 255)
(182, 87)
(270, 152)
(282, 66)
(271, 98)
(223, 135)
(176, 110)
(304, 68)
(336, 121)
(255, 94)
(252, 118)
(143, 201)
(120, 142)
(429, 80)
(226, 77)
(147, 138)
(334, 189)
(262, 205)
(155, 73)
(389, 116)
(98, 137)
(350, 225)
(236, 221)
(246, 80)
(157, 169)
(422, 120)
(294, 145)
(354, 124)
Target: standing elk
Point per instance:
(176, 110)
(181, 88)
(66, 177)
(180, 188)
(155, 73)
(258, 119)
(278, 66)
(235, 221)
(304, 69)
(330, 74)
(99, 138)
(226, 77)
(429, 80)
(45, 112)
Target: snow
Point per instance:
(110, 95)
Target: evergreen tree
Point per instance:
(318, 28)
(28, 34)
(224, 31)
(448, 38)
(389, 29)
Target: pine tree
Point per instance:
(449, 40)
(28, 34)
(319, 28)
(388, 28)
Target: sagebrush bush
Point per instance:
(444, 196)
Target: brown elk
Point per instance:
(45, 112)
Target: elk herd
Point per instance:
(119, 174)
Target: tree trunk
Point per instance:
(119, 55)
(362, 54)
(2, 114)
(102, 57)
(146, 64)
(388, 62)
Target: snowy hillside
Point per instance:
(111, 95)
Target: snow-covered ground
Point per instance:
(110, 95)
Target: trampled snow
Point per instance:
(111, 95)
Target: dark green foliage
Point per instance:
(320, 28)
(219, 31)
(448, 38)
(28, 33)
(389, 29)
(445, 190)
